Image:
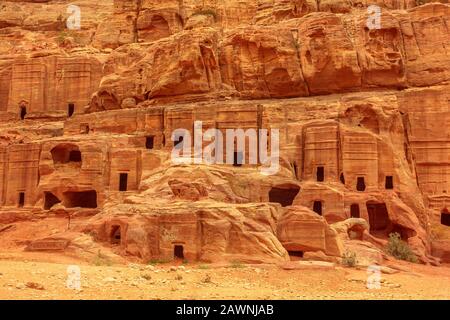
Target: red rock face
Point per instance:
(87, 116)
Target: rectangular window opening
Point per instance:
(123, 183)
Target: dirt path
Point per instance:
(23, 280)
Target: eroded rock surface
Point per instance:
(87, 116)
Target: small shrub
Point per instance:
(236, 264)
(207, 279)
(157, 261)
(399, 249)
(101, 260)
(61, 37)
(147, 276)
(349, 259)
(61, 22)
(203, 267)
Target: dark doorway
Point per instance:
(342, 178)
(50, 200)
(75, 156)
(317, 207)
(116, 235)
(178, 251)
(123, 184)
(283, 196)
(378, 216)
(360, 184)
(445, 218)
(149, 142)
(404, 233)
(320, 174)
(389, 184)
(295, 255)
(23, 112)
(354, 211)
(70, 109)
(21, 199)
(238, 159)
(65, 153)
(82, 199)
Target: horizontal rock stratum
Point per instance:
(87, 116)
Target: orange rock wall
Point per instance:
(369, 107)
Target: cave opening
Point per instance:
(149, 142)
(404, 233)
(445, 218)
(178, 251)
(116, 235)
(320, 174)
(389, 183)
(50, 200)
(81, 199)
(378, 216)
(317, 207)
(21, 199)
(283, 195)
(70, 109)
(354, 211)
(295, 255)
(123, 182)
(65, 153)
(75, 156)
(23, 112)
(360, 184)
(342, 178)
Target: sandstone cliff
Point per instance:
(86, 118)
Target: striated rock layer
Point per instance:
(87, 116)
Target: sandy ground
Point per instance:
(43, 275)
(39, 280)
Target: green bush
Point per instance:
(207, 279)
(101, 260)
(158, 261)
(236, 264)
(349, 259)
(400, 249)
(61, 22)
(62, 35)
(147, 276)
